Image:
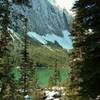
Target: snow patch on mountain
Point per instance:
(37, 37)
(13, 34)
(64, 41)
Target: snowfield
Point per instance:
(64, 41)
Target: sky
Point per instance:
(68, 4)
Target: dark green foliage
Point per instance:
(42, 59)
(55, 79)
(86, 38)
(88, 13)
(26, 64)
(7, 84)
(28, 71)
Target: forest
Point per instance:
(33, 70)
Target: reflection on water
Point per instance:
(45, 73)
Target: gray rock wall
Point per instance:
(43, 18)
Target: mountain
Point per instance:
(45, 56)
(42, 55)
(46, 21)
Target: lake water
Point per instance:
(43, 75)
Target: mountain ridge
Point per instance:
(44, 19)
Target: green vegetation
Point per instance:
(85, 74)
(46, 56)
(7, 90)
(25, 63)
(27, 66)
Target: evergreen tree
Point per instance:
(7, 84)
(25, 61)
(27, 64)
(86, 38)
(36, 94)
(55, 79)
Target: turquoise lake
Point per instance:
(43, 75)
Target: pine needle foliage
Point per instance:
(86, 36)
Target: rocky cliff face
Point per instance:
(43, 18)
